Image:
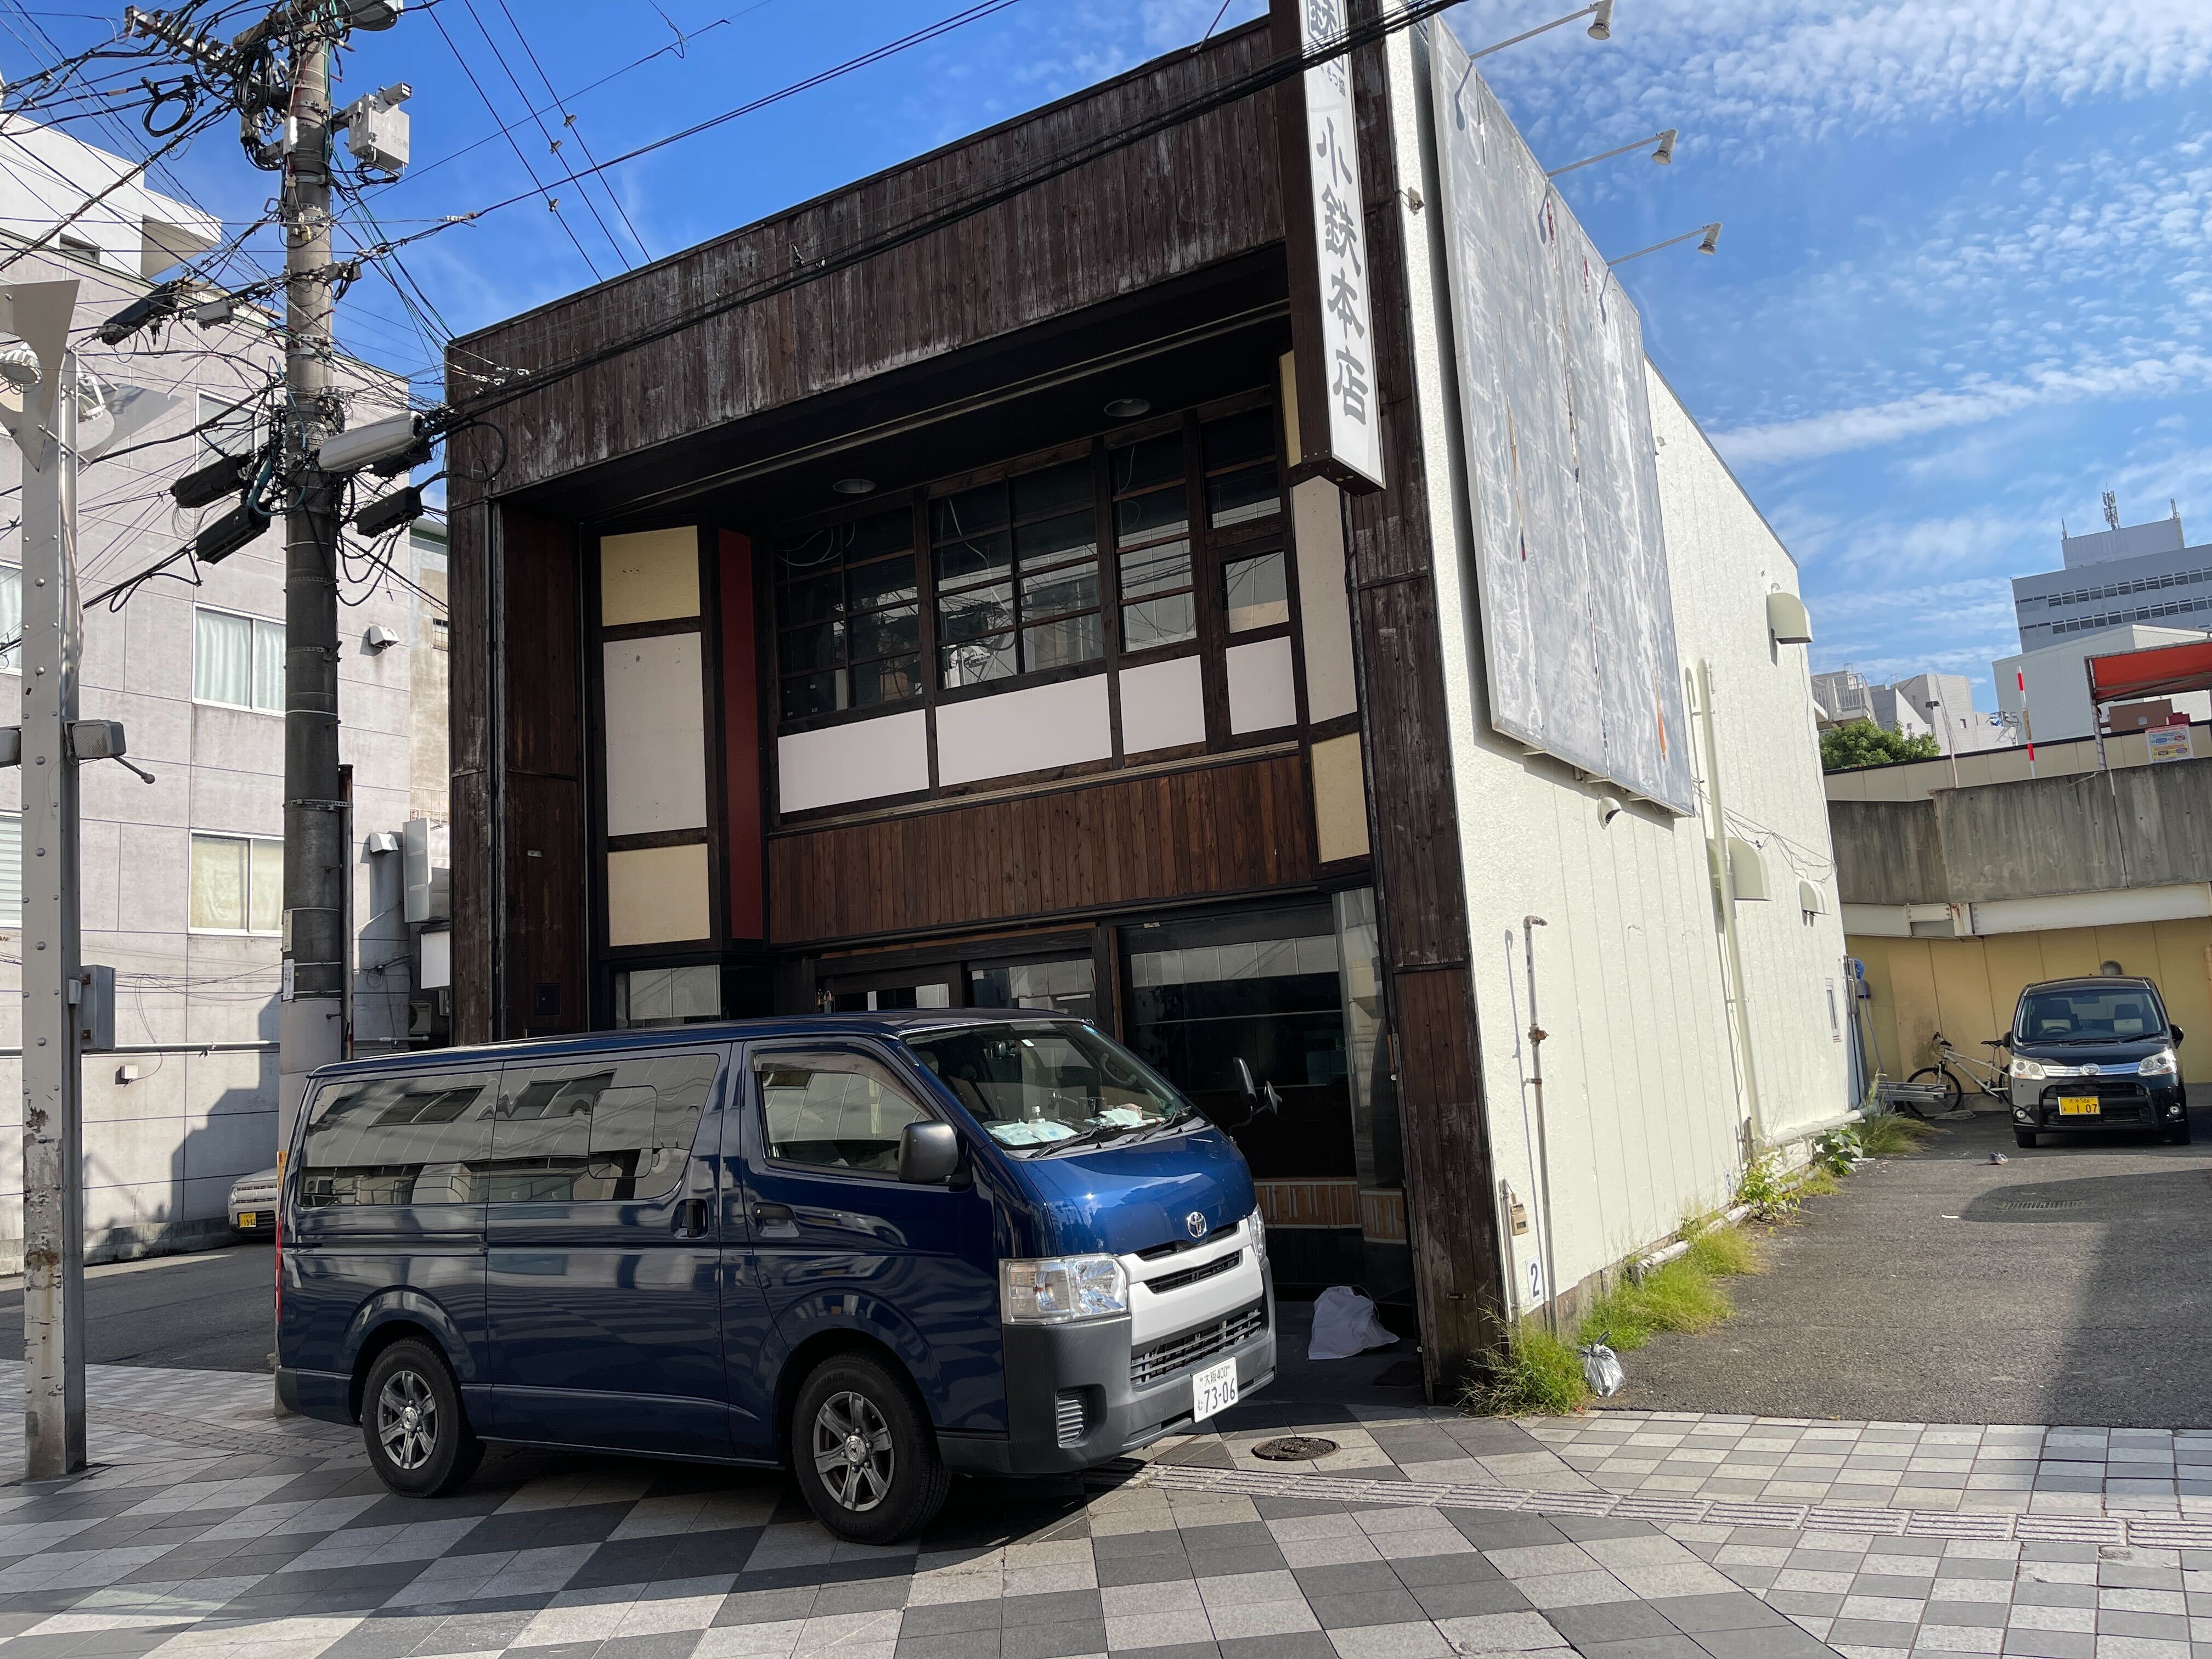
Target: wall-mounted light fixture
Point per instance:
(1710, 232)
(1664, 155)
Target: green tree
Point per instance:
(1862, 743)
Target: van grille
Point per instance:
(1070, 1418)
(1177, 1281)
(1150, 1365)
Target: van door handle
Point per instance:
(775, 1215)
(691, 1218)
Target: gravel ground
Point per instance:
(2067, 1285)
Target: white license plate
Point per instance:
(1213, 1390)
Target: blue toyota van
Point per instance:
(877, 1249)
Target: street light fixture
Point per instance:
(1600, 28)
(1664, 155)
(1712, 234)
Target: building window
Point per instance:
(667, 996)
(1065, 987)
(11, 617)
(1151, 543)
(11, 869)
(1016, 571)
(228, 428)
(441, 634)
(848, 617)
(238, 660)
(237, 884)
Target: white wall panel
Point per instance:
(1163, 705)
(656, 735)
(1263, 695)
(860, 761)
(1063, 724)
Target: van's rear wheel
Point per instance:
(419, 1440)
(864, 1452)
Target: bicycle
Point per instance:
(1988, 1075)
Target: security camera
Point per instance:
(1608, 809)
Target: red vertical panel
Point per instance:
(741, 731)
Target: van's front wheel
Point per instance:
(864, 1452)
(419, 1440)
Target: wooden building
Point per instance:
(883, 606)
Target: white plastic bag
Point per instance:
(1601, 1371)
(1344, 1324)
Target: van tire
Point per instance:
(899, 1488)
(410, 1374)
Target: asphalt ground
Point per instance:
(207, 1312)
(2070, 1284)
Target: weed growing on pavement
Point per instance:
(1889, 1135)
(1724, 1252)
(1768, 1194)
(1837, 1150)
(1533, 1374)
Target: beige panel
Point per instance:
(657, 896)
(1324, 608)
(656, 735)
(651, 576)
(2185, 979)
(1962, 994)
(1286, 370)
(1163, 705)
(1263, 695)
(1340, 798)
(1918, 1014)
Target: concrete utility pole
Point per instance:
(310, 1025)
(45, 430)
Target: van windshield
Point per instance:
(2083, 1013)
(1041, 1084)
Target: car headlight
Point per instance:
(1057, 1290)
(1256, 1229)
(2026, 1069)
(2161, 1064)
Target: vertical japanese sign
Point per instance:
(1332, 334)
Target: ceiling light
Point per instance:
(1600, 26)
(855, 486)
(1127, 408)
(1664, 155)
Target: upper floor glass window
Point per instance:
(848, 617)
(1151, 543)
(239, 660)
(1016, 564)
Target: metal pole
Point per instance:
(1731, 947)
(53, 1088)
(1536, 1035)
(311, 1027)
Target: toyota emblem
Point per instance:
(1194, 1224)
(2088, 1070)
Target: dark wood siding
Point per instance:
(1198, 194)
(1242, 827)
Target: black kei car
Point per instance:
(2095, 1053)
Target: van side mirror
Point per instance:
(929, 1153)
(2176, 1029)
(1247, 1100)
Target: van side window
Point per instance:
(616, 1130)
(412, 1140)
(839, 1109)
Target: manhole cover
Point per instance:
(1293, 1448)
(2045, 1204)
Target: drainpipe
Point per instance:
(1528, 927)
(1731, 947)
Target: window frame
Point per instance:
(831, 523)
(756, 1104)
(521, 1071)
(321, 1103)
(11, 660)
(255, 624)
(194, 836)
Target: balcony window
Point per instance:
(1016, 565)
(848, 617)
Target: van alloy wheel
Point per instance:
(853, 1451)
(407, 1419)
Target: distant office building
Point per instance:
(2057, 698)
(1845, 695)
(2141, 573)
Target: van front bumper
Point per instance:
(1073, 1399)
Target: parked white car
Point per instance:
(253, 1203)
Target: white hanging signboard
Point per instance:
(1339, 409)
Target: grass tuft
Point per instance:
(1535, 1374)
(1889, 1135)
(1725, 1252)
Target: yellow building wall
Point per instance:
(1966, 987)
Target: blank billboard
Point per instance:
(1577, 621)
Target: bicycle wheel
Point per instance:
(1943, 1078)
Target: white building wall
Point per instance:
(1724, 561)
(1640, 1096)
(2058, 699)
(197, 1011)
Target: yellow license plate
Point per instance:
(247, 1218)
(2077, 1106)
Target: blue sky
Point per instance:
(1964, 283)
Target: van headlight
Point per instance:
(1255, 1230)
(2161, 1064)
(1057, 1290)
(2026, 1069)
